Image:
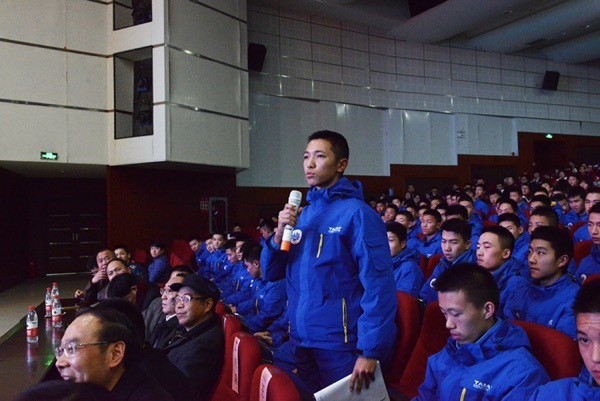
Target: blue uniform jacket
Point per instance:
(509, 279)
(589, 265)
(215, 262)
(407, 272)
(159, 270)
(572, 218)
(522, 217)
(340, 287)
(480, 205)
(200, 258)
(549, 306)
(428, 294)
(265, 307)
(432, 246)
(246, 287)
(581, 234)
(499, 366)
(580, 388)
(521, 250)
(239, 273)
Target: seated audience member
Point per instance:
(493, 196)
(217, 258)
(430, 226)
(133, 289)
(239, 274)
(268, 299)
(60, 390)
(100, 347)
(199, 349)
(460, 212)
(548, 299)
(224, 277)
(456, 247)
(486, 357)
(494, 251)
(591, 198)
(202, 250)
(95, 290)
(243, 285)
(266, 228)
(537, 201)
(591, 263)
(441, 209)
(407, 272)
(380, 207)
(480, 203)
(473, 217)
(159, 319)
(516, 195)
(159, 269)
(586, 387)
(560, 204)
(122, 252)
(513, 224)
(407, 219)
(507, 205)
(542, 216)
(390, 213)
(577, 213)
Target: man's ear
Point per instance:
(489, 309)
(116, 353)
(563, 261)
(341, 165)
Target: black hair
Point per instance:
(120, 285)
(123, 247)
(183, 270)
(513, 218)
(548, 212)
(252, 253)
(339, 144)
(588, 298)
(436, 215)
(158, 244)
(506, 239)
(576, 191)
(457, 210)
(393, 207)
(409, 216)
(541, 198)
(511, 202)
(478, 284)
(559, 240)
(516, 190)
(130, 311)
(397, 229)
(230, 244)
(594, 209)
(465, 198)
(458, 226)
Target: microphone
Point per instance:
(294, 199)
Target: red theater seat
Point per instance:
(431, 264)
(582, 249)
(278, 388)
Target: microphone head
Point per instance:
(295, 198)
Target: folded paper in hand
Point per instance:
(340, 390)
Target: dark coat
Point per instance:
(136, 385)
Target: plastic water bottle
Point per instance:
(55, 289)
(56, 312)
(48, 303)
(32, 325)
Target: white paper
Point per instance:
(265, 378)
(340, 390)
(235, 375)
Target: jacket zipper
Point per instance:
(463, 393)
(320, 245)
(345, 320)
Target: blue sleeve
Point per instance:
(429, 389)
(157, 269)
(566, 322)
(247, 307)
(427, 293)
(270, 308)
(273, 260)
(410, 279)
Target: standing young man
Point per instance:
(342, 299)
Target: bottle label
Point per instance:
(56, 315)
(32, 331)
(48, 308)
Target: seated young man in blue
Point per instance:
(407, 272)
(456, 246)
(548, 299)
(243, 284)
(473, 217)
(202, 250)
(430, 226)
(592, 197)
(513, 224)
(486, 357)
(591, 263)
(516, 194)
(507, 205)
(480, 203)
(537, 201)
(218, 257)
(123, 253)
(159, 270)
(460, 212)
(577, 213)
(223, 278)
(494, 251)
(586, 387)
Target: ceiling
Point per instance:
(561, 30)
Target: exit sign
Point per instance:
(49, 156)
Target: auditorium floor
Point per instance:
(15, 300)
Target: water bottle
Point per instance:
(55, 289)
(56, 312)
(48, 303)
(32, 325)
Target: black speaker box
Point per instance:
(551, 80)
(256, 56)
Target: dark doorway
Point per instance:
(549, 153)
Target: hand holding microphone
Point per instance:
(294, 199)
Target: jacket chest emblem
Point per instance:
(334, 230)
(481, 385)
(296, 236)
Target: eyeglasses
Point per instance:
(71, 349)
(185, 299)
(167, 290)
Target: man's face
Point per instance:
(397, 202)
(103, 258)
(479, 192)
(505, 208)
(90, 364)
(534, 205)
(573, 181)
(469, 206)
(194, 312)
(156, 251)
(403, 220)
(525, 190)
(115, 268)
(544, 265)
(231, 256)
(537, 221)
(396, 246)
(168, 295)
(253, 268)
(429, 225)
(264, 232)
(515, 196)
(564, 205)
(494, 198)
(380, 207)
(466, 322)
(590, 200)
(514, 230)
(321, 168)
(389, 215)
(490, 254)
(209, 245)
(576, 204)
(594, 227)
(194, 245)
(218, 241)
(588, 338)
(453, 245)
(238, 249)
(434, 202)
(122, 254)
(509, 181)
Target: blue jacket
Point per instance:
(214, 263)
(245, 287)
(407, 272)
(480, 205)
(521, 250)
(582, 388)
(572, 218)
(499, 366)
(549, 306)
(159, 270)
(265, 306)
(340, 287)
(432, 246)
(522, 217)
(509, 279)
(581, 234)
(200, 258)
(476, 224)
(589, 265)
(428, 294)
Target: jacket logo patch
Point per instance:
(334, 230)
(296, 236)
(481, 385)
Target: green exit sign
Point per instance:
(49, 156)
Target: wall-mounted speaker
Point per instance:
(551, 80)
(256, 56)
